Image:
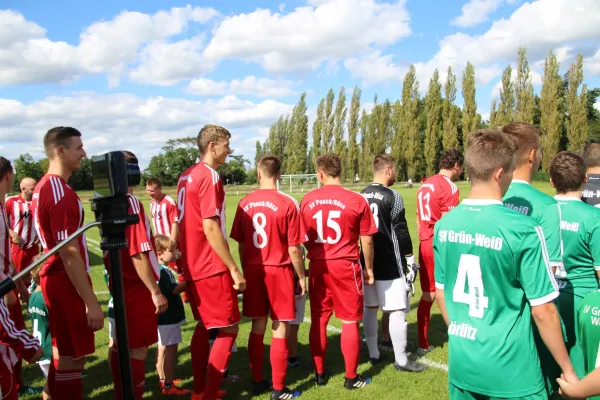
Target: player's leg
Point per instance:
(172, 338)
(160, 362)
(321, 309)
(45, 367)
(370, 324)
(199, 346)
(292, 338)
(428, 297)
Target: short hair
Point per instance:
(130, 158)
(154, 182)
(330, 163)
(59, 136)
(381, 161)
(270, 165)
(210, 133)
(591, 154)
(527, 137)
(488, 150)
(450, 158)
(567, 170)
(5, 167)
(164, 243)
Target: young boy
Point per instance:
(169, 322)
(41, 327)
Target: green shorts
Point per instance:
(457, 393)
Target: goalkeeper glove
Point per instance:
(410, 273)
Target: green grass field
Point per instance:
(387, 382)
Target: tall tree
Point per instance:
(298, 138)
(259, 153)
(365, 145)
(524, 90)
(450, 114)
(317, 132)
(550, 115)
(433, 106)
(410, 122)
(380, 128)
(328, 123)
(339, 143)
(352, 161)
(506, 105)
(469, 113)
(577, 124)
(398, 139)
(26, 167)
(494, 114)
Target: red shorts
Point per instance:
(214, 301)
(426, 266)
(336, 285)
(142, 322)
(67, 317)
(23, 257)
(269, 290)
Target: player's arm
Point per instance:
(368, 249)
(439, 297)
(22, 342)
(400, 226)
(15, 238)
(587, 387)
(214, 235)
(439, 276)
(298, 262)
(174, 231)
(75, 268)
(144, 270)
(175, 224)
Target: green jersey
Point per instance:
(589, 331)
(526, 199)
(492, 263)
(175, 314)
(41, 326)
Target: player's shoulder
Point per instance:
(186, 176)
(287, 199)
(206, 173)
(169, 200)
(54, 189)
(135, 203)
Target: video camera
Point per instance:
(113, 175)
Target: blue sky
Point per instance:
(133, 74)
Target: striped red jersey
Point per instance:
(436, 196)
(140, 240)
(20, 219)
(5, 254)
(57, 214)
(164, 215)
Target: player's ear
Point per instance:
(498, 174)
(552, 183)
(532, 155)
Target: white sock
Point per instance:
(398, 334)
(370, 328)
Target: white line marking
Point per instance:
(422, 360)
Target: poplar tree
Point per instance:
(328, 123)
(298, 138)
(450, 114)
(410, 122)
(339, 143)
(494, 114)
(524, 90)
(469, 114)
(365, 146)
(550, 115)
(317, 132)
(433, 106)
(506, 103)
(352, 161)
(577, 129)
(259, 153)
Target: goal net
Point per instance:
(300, 183)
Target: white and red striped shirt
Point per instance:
(5, 254)
(20, 219)
(164, 215)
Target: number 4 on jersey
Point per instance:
(469, 270)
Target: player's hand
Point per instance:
(16, 239)
(566, 389)
(301, 284)
(239, 283)
(160, 302)
(38, 355)
(95, 317)
(369, 277)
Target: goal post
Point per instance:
(298, 183)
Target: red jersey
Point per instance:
(20, 219)
(335, 218)
(5, 253)
(140, 240)
(267, 222)
(200, 195)
(436, 196)
(57, 214)
(164, 215)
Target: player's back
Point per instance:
(436, 196)
(490, 262)
(591, 190)
(335, 218)
(580, 230)
(267, 222)
(589, 330)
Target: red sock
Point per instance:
(279, 362)
(256, 353)
(350, 348)
(423, 317)
(138, 373)
(68, 384)
(113, 360)
(318, 343)
(199, 350)
(52, 375)
(217, 363)
(17, 374)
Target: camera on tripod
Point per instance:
(113, 175)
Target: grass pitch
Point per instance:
(387, 382)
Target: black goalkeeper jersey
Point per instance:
(591, 190)
(392, 241)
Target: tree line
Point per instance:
(416, 130)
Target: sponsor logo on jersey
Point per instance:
(569, 226)
(375, 195)
(521, 209)
(480, 240)
(333, 202)
(35, 310)
(590, 194)
(253, 204)
(465, 331)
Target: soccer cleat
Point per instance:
(321, 379)
(421, 352)
(375, 361)
(176, 382)
(26, 389)
(261, 387)
(284, 394)
(411, 366)
(358, 382)
(175, 391)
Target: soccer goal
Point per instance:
(300, 183)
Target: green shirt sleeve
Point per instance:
(438, 262)
(533, 268)
(550, 222)
(595, 243)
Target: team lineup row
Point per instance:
(495, 283)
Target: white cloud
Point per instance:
(308, 36)
(250, 85)
(375, 68)
(477, 11)
(128, 121)
(591, 65)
